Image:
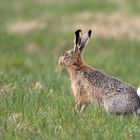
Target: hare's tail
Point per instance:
(138, 91)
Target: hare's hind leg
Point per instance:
(121, 104)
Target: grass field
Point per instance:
(35, 98)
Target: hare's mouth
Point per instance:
(60, 61)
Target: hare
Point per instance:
(91, 85)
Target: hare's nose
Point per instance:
(60, 63)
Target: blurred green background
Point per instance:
(35, 98)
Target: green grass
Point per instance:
(36, 101)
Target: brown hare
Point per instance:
(91, 85)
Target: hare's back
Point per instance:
(108, 84)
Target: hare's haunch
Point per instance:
(91, 85)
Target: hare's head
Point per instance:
(73, 56)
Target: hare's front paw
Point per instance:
(80, 107)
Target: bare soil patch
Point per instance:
(116, 25)
(24, 27)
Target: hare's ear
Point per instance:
(85, 40)
(77, 40)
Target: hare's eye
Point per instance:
(66, 54)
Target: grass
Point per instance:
(35, 99)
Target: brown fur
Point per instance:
(90, 85)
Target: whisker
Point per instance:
(59, 68)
